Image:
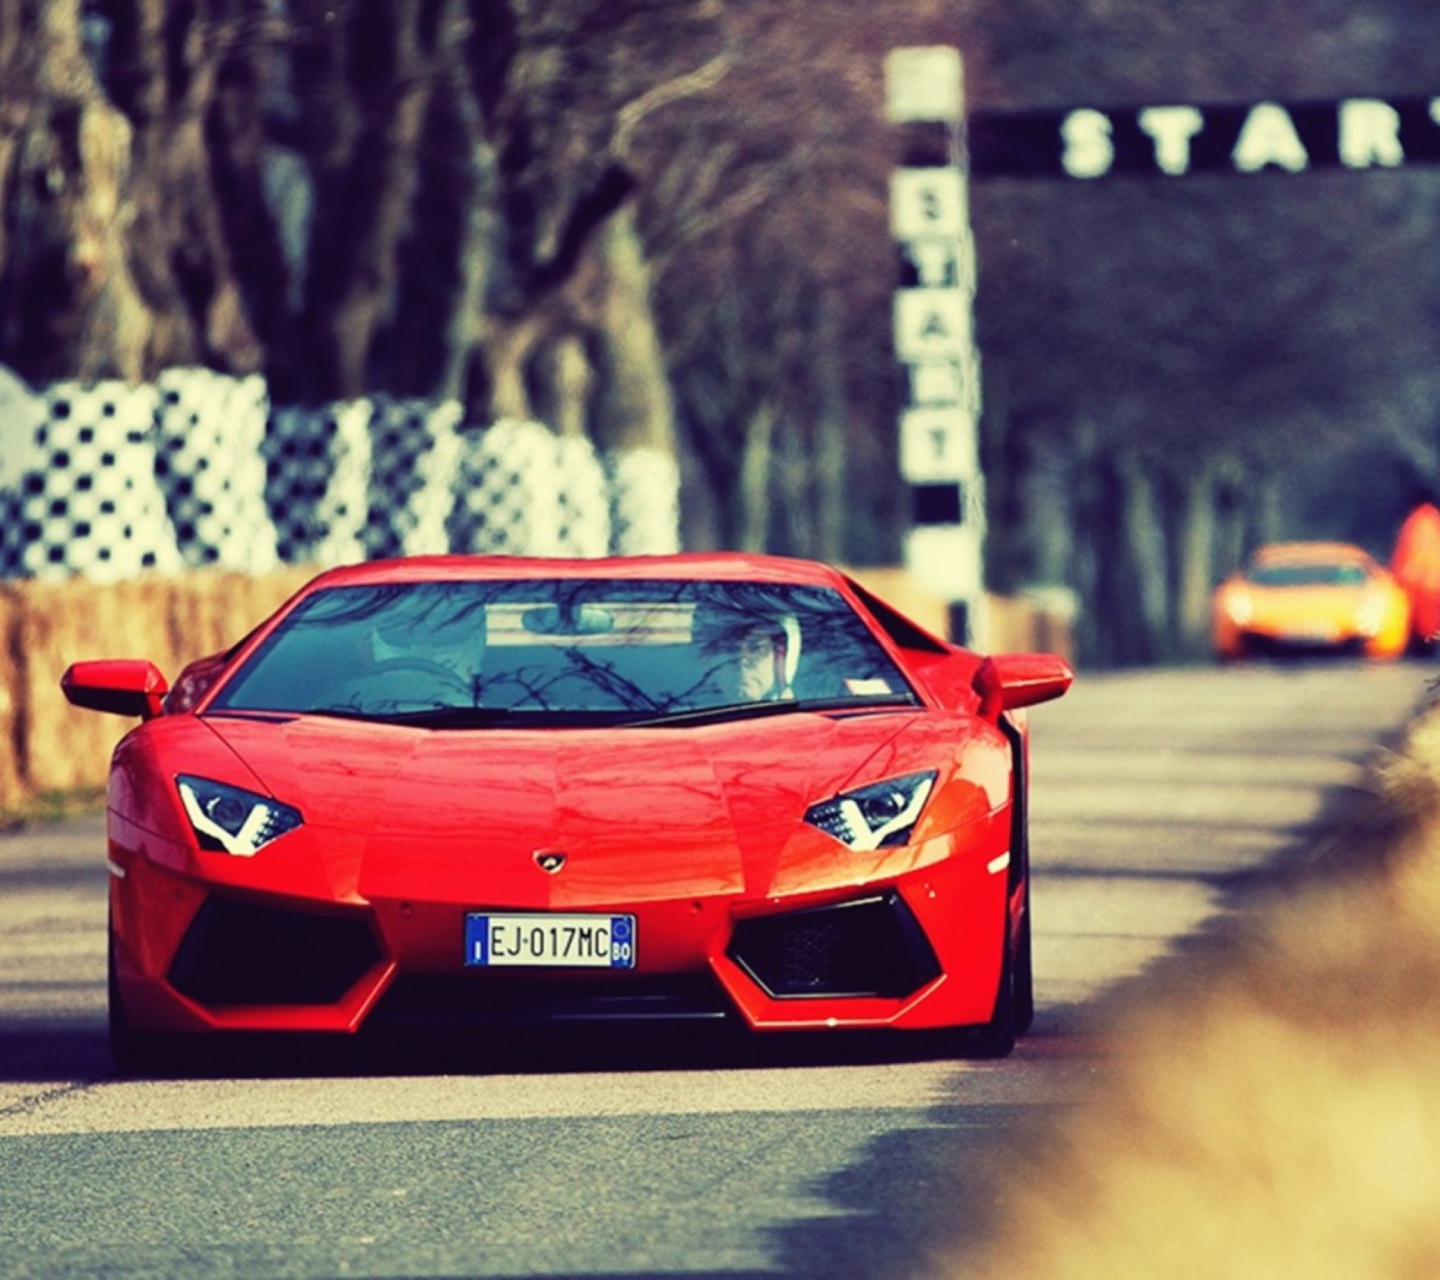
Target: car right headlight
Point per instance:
(228, 819)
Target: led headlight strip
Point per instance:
(881, 814)
(231, 820)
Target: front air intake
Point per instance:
(242, 953)
(870, 947)
(509, 998)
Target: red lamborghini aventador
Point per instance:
(499, 790)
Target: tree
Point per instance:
(664, 223)
(1215, 341)
(69, 304)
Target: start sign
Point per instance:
(1177, 139)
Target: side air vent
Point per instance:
(240, 953)
(870, 947)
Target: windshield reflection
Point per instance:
(564, 651)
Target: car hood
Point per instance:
(1312, 599)
(698, 810)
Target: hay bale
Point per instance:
(12, 785)
(63, 622)
(1035, 621)
(1039, 620)
(212, 610)
(1009, 624)
(899, 588)
(170, 621)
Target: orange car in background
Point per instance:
(1416, 566)
(1311, 597)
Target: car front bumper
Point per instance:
(915, 950)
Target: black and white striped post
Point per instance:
(935, 334)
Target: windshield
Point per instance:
(471, 654)
(1308, 575)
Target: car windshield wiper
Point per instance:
(440, 717)
(478, 716)
(760, 710)
(490, 717)
(451, 717)
(246, 713)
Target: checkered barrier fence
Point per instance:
(317, 465)
(79, 493)
(209, 433)
(521, 490)
(109, 481)
(507, 492)
(20, 413)
(644, 489)
(415, 451)
(585, 524)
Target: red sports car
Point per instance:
(501, 790)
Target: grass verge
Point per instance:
(1276, 1111)
(52, 806)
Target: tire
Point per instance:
(134, 1052)
(1014, 1009)
(1021, 957)
(1024, 972)
(996, 1038)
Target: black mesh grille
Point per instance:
(241, 953)
(1264, 646)
(485, 999)
(872, 947)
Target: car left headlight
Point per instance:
(1240, 606)
(227, 819)
(1370, 615)
(872, 817)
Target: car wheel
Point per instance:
(134, 1052)
(1024, 973)
(996, 1038)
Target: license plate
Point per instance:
(550, 941)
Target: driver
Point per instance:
(447, 647)
(768, 653)
(411, 653)
(453, 644)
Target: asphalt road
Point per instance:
(1162, 802)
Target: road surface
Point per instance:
(1161, 798)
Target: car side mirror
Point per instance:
(1007, 681)
(122, 686)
